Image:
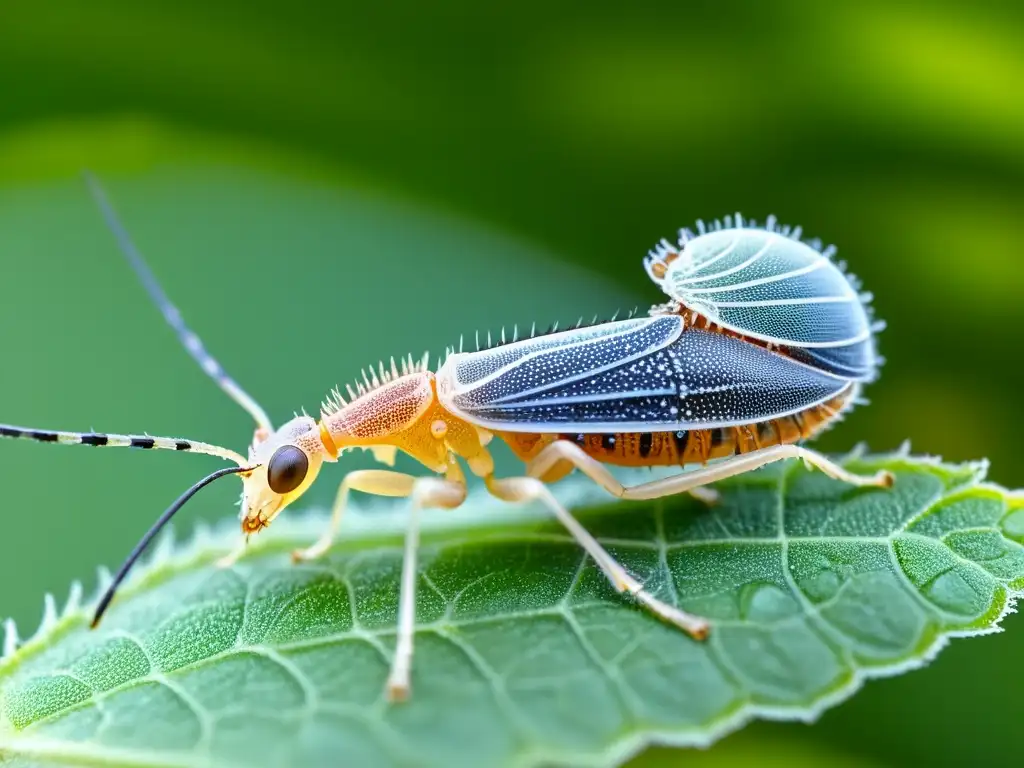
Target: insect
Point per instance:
(763, 343)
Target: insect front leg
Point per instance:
(563, 450)
(377, 482)
(424, 492)
(519, 489)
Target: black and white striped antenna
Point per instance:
(198, 352)
(109, 440)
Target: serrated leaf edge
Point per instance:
(206, 543)
(381, 519)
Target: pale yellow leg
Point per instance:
(377, 482)
(527, 488)
(563, 450)
(424, 492)
(427, 492)
(520, 489)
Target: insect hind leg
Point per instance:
(519, 489)
(558, 460)
(563, 450)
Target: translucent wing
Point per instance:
(769, 286)
(641, 375)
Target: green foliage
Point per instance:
(525, 656)
(890, 129)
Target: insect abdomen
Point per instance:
(681, 447)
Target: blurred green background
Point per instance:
(320, 184)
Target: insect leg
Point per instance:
(360, 480)
(530, 488)
(564, 450)
(377, 482)
(747, 462)
(424, 492)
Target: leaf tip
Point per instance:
(50, 615)
(104, 578)
(858, 451)
(10, 639)
(74, 603)
(163, 550)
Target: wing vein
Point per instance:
(731, 270)
(819, 262)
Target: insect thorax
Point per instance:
(404, 413)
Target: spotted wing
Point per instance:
(768, 286)
(650, 377)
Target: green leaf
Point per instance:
(524, 655)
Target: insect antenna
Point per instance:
(139, 548)
(193, 345)
(109, 440)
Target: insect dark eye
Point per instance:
(287, 469)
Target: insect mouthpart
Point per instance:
(254, 524)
